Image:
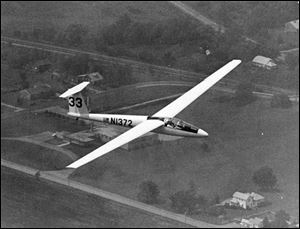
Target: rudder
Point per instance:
(76, 101)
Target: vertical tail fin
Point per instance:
(77, 106)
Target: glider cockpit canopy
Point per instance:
(180, 124)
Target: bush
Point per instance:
(216, 210)
(187, 202)
(265, 178)
(148, 192)
(243, 94)
(281, 218)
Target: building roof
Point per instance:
(294, 23)
(257, 196)
(240, 195)
(94, 76)
(81, 136)
(262, 60)
(255, 220)
(252, 221)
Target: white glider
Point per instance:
(163, 121)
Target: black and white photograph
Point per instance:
(149, 114)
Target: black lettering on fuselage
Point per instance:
(113, 121)
(121, 122)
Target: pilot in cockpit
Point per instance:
(180, 124)
(168, 122)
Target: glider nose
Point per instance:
(202, 133)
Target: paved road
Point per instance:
(17, 109)
(190, 11)
(290, 50)
(195, 14)
(61, 178)
(28, 202)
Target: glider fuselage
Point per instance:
(173, 126)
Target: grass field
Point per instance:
(27, 123)
(27, 202)
(33, 155)
(242, 139)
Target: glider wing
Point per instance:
(190, 96)
(124, 138)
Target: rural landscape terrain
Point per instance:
(140, 56)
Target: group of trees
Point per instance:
(148, 192)
(265, 178)
(184, 201)
(254, 18)
(280, 221)
(170, 32)
(244, 94)
(19, 58)
(118, 39)
(181, 31)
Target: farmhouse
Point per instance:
(246, 200)
(292, 26)
(264, 62)
(258, 199)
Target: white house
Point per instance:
(292, 26)
(246, 200)
(264, 62)
(258, 199)
(252, 223)
(243, 200)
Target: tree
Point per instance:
(216, 199)
(76, 65)
(265, 178)
(266, 223)
(148, 193)
(216, 210)
(281, 218)
(292, 60)
(36, 33)
(188, 201)
(243, 94)
(74, 34)
(168, 58)
(24, 81)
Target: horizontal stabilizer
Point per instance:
(74, 90)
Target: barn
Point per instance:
(264, 62)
